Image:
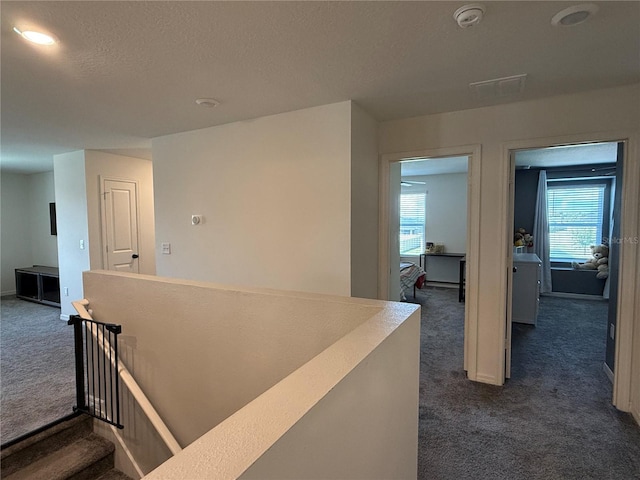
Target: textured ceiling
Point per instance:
(125, 72)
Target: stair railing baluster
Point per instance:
(100, 346)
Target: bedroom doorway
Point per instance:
(433, 220)
(463, 251)
(568, 197)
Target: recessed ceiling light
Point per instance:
(574, 15)
(207, 102)
(34, 36)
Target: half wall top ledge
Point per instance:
(259, 383)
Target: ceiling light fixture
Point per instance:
(469, 15)
(34, 36)
(207, 102)
(574, 15)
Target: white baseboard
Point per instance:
(489, 379)
(576, 296)
(608, 371)
(64, 317)
(442, 284)
(8, 292)
(636, 416)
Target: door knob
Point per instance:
(135, 255)
(515, 269)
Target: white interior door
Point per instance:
(508, 326)
(120, 225)
(394, 231)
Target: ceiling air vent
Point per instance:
(499, 87)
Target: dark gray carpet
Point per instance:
(552, 420)
(37, 367)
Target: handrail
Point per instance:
(134, 388)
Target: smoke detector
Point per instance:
(469, 15)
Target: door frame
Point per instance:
(472, 270)
(103, 216)
(626, 392)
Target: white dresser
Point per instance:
(526, 288)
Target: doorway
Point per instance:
(120, 225)
(433, 218)
(389, 274)
(568, 198)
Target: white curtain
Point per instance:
(541, 233)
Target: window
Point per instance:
(412, 209)
(576, 220)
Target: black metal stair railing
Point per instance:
(97, 377)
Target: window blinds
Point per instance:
(412, 220)
(575, 219)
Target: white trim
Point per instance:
(576, 296)
(628, 323)
(103, 216)
(508, 313)
(126, 451)
(64, 317)
(608, 371)
(472, 273)
(7, 293)
(490, 379)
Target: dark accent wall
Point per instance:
(563, 278)
(526, 191)
(584, 282)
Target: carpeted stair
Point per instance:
(68, 450)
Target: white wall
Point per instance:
(275, 196)
(445, 221)
(73, 227)
(77, 188)
(44, 246)
(364, 204)
(613, 109)
(255, 364)
(15, 228)
(26, 232)
(446, 209)
(120, 167)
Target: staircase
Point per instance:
(68, 450)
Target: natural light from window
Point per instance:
(575, 220)
(412, 220)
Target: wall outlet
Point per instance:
(81, 244)
(66, 291)
(166, 248)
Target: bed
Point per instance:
(411, 276)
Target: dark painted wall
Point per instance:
(526, 188)
(524, 206)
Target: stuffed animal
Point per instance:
(522, 239)
(518, 240)
(599, 261)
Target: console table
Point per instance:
(38, 284)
